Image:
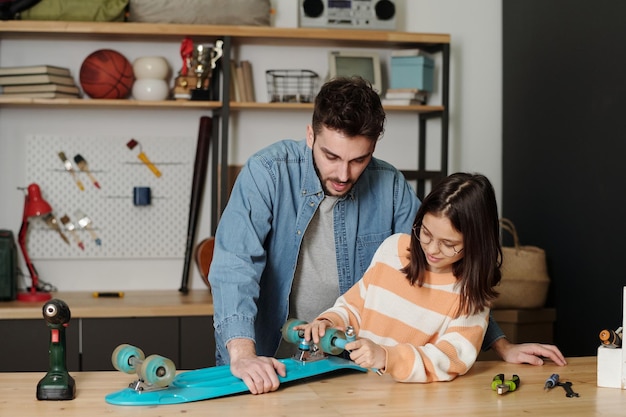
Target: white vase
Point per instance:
(150, 89)
(155, 67)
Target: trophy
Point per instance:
(194, 78)
(203, 62)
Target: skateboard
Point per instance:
(158, 383)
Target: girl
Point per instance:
(422, 308)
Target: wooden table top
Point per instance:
(346, 394)
(153, 303)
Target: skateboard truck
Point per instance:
(333, 342)
(154, 372)
(57, 384)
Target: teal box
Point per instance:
(412, 72)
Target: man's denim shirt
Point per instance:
(260, 232)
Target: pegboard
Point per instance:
(126, 230)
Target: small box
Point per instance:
(142, 196)
(522, 326)
(412, 72)
(611, 370)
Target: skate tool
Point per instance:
(81, 163)
(69, 226)
(551, 382)
(57, 384)
(142, 157)
(569, 392)
(86, 223)
(502, 386)
(69, 168)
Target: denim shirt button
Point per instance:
(311, 203)
(299, 232)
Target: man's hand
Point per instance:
(259, 373)
(531, 353)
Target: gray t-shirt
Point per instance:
(316, 284)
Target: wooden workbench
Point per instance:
(176, 325)
(348, 394)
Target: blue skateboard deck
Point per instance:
(207, 383)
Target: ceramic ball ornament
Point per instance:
(151, 74)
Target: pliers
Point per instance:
(501, 386)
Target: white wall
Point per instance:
(475, 129)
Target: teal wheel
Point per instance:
(157, 370)
(333, 341)
(289, 334)
(125, 358)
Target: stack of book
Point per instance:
(37, 81)
(241, 86)
(404, 97)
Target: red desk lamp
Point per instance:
(34, 206)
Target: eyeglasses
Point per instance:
(425, 238)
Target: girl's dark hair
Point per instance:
(469, 202)
(350, 106)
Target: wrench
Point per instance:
(567, 386)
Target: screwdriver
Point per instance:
(551, 382)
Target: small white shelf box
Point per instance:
(612, 362)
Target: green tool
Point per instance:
(501, 386)
(57, 384)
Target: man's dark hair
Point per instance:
(350, 106)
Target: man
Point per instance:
(300, 228)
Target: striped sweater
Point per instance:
(415, 325)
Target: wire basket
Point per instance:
(291, 86)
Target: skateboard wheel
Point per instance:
(122, 358)
(289, 334)
(333, 341)
(157, 370)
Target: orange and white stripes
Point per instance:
(417, 326)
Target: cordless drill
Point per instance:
(57, 384)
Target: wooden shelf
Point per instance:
(154, 303)
(103, 103)
(241, 34)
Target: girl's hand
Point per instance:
(315, 330)
(367, 354)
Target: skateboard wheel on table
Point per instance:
(289, 334)
(333, 341)
(157, 370)
(122, 358)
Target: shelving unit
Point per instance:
(234, 36)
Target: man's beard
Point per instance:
(323, 182)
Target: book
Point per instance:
(36, 79)
(34, 69)
(405, 95)
(401, 102)
(240, 83)
(44, 94)
(246, 67)
(40, 88)
(234, 84)
(410, 52)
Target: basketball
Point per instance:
(106, 74)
